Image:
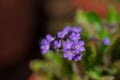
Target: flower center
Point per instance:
(59, 45)
(47, 47)
(69, 52)
(52, 39)
(62, 34)
(77, 46)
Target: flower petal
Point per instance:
(70, 58)
(82, 49)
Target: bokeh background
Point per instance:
(25, 22)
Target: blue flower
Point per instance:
(74, 36)
(49, 38)
(67, 44)
(106, 41)
(67, 29)
(76, 29)
(45, 46)
(57, 44)
(78, 46)
(78, 57)
(61, 34)
(68, 54)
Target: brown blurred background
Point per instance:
(24, 22)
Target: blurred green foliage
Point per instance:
(112, 17)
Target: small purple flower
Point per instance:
(67, 29)
(57, 44)
(76, 29)
(78, 46)
(61, 34)
(49, 38)
(68, 54)
(67, 44)
(74, 36)
(45, 46)
(44, 41)
(81, 43)
(78, 57)
(106, 41)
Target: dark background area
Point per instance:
(23, 22)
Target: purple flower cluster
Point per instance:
(68, 41)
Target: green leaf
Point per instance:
(36, 65)
(55, 61)
(116, 51)
(112, 52)
(90, 55)
(67, 69)
(75, 77)
(55, 57)
(95, 75)
(105, 33)
(81, 17)
(49, 55)
(95, 21)
(112, 15)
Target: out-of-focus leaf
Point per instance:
(66, 70)
(36, 65)
(113, 20)
(116, 54)
(118, 18)
(84, 35)
(56, 62)
(81, 17)
(112, 15)
(95, 21)
(50, 55)
(54, 57)
(94, 74)
(87, 31)
(112, 50)
(90, 54)
(75, 77)
(107, 78)
(114, 68)
(117, 65)
(105, 33)
(52, 64)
